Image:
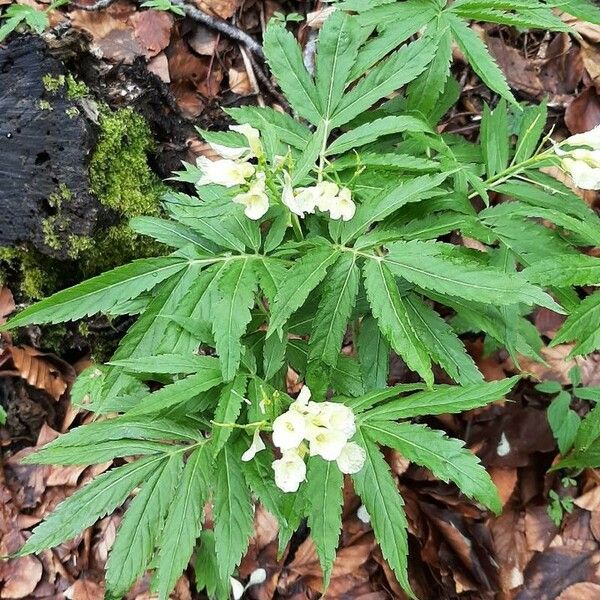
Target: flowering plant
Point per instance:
(303, 227)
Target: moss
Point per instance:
(119, 172)
(72, 112)
(60, 196)
(76, 89)
(37, 274)
(53, 84)
(44, 105)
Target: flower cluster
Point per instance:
(326, 427)
(326, 196)
(235, 169)
(583, 161)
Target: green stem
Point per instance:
(255, 425)
(297, 227)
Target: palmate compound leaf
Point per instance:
(446, 458)
(92, 502)
(324, 494)
(335, 308)
(233, 511)
(137, 535)
(184, 520)
(442, 399)
(428, 265)
(231, 313)
(393, 318)
(378, 491)
(100, 293)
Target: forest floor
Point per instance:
(179, 73)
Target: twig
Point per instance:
(98, 5)
(221, 25)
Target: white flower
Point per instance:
(228, 152)
(342, 206)
(328, 192)
(253, 137)
(589, 138)
(351, 459)
(224, 172)
(256, 446)
(257, 577)
(237, 589)
(326, 443)
(288, 430)
(290, 471)
(584, 168)
(255, 199)
(300, 404)
(337, 417)
(362, 514)
(301, 200)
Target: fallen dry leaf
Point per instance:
(7, 304)
(85, 589)
(152, 30)
(20, 576)
(583, 113)
(239, 82)
(581, 591)
(222, 8)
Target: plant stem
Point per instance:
(297, 227)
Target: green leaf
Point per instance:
(582, 326)
(90, 503)
(169, 363)
(373, 354)
(100, 293)
(206, 568)
(495, 138)
(324, 491)
(337, 301)
(563, 271)
(231, 314)
(183, 522)
(285, 60)
(377, 489)
(274, 354)
(301, 279)
(443, 399)
(531, 128)
(336, 52)
(441, 342)
(586, 10)
(234, 520)
(446, 458)
(137, 535)
(589, 430)
(581, 460)
(369, 132)
(288, 130)
(370, 399)
(563, 421)
(392, 316)
(390, 200)
(177, 393)
(587, 393)
(388, 76)
(428, 265)
(170, 232)
(479, 58)
(228, 410)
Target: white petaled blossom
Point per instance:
(326, 426)
(289, 430)
(589, 138)
(290, 471)
(255, 199)
(256, 446)
(351, 459)
(342, 206)
(224, 172)
(301, 200)
(328, 192)
(584, 168)
(253, 137)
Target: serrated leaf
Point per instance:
(228, 410)
(285, 60)
(427, 265)
(231, 314)
(274, 354)
(563, 421)
(562, 271)
(301, 279)
(336, 52)
(169, 363)
(100, 293)
(446, 458)
(442, 399)
(495, 138)
(234, 522)
(170, 232)
(177, 393)
(392, 316)
(373, 398)
(373, 354)
(582, 326)
(206, 569)
(88, 504)
(479, 58)
(533, 121)
(184, 521)
(369, 132)
(442, 343)
(388, 76)
(324, 492)
(140, 528)
(337, 301)
(378, 491)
